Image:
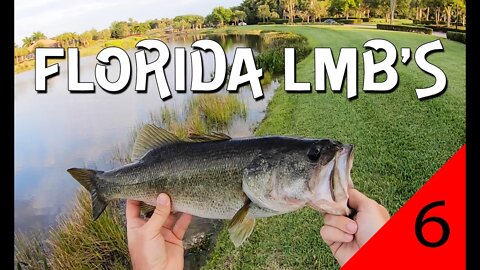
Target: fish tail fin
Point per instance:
(88, 179)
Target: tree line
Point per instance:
(255, 11)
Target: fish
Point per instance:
(218, 177)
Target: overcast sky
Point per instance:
(53, 17)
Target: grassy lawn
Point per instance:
(374, 21)
(400, 142)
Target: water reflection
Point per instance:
(59, 130)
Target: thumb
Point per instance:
(357, 200)
(161, 213)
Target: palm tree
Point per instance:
(38, 35)
(27, 41)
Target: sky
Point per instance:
(53, 17)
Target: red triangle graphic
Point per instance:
(397, 246)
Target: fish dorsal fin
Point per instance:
(215, 136)
(150, 137)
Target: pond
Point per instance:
(59, 130)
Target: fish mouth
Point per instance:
(330, 183)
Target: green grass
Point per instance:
(400, 143)
(374, 21)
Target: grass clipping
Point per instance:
(78, 242)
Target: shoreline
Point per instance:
(101, 44)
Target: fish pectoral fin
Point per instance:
(150, 137)
(216, 136)
(241, 225)
(147, 209)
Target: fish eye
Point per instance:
(314, 153)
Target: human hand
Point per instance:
(345, 236)
(156, 243)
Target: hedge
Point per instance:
(344, 18)
(405, 28)
(265, 23)
(428, 22)
(350, 21)
(457, 36)
(445, 29)
(280, 21)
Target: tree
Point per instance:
(370, 5)
(320, 9)
(403, 8)
(20, 54)
(37, 36)
(27, 41)
(199, 21)
(139, 28)
(449, 6)
(342, 7)
(85, 38)
(274, 15)
(220, 15)
(392, 11)
(120, 29)
(105, 34)
(264, 11)
(303, 15)
(239, 15)
(94, 34)
(289, 9)
(437, 6)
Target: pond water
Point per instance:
(59, 130)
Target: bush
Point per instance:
(265, 23)
(428, 22)
(280, 21)
(297, 20)
(366, 19)
(350, 21)
(272, 59)
(405, 28)
(457, 36)
(445, 29)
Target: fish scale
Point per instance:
(215, 176)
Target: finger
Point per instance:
(182, 225)
(160, 214)
(132, 214)
(170, 222)
(340, 222)
(331, 235)
(357, 200)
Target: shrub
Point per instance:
(265, 23)
(366, 19)
(350, 21)
(445, 29)
(428, 22)
(457, 36)
(272, 59)
(280, 21)
(405, 28)
(297, 20)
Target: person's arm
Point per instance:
(156, 243)
(345, 236)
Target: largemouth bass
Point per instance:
(215, 176)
